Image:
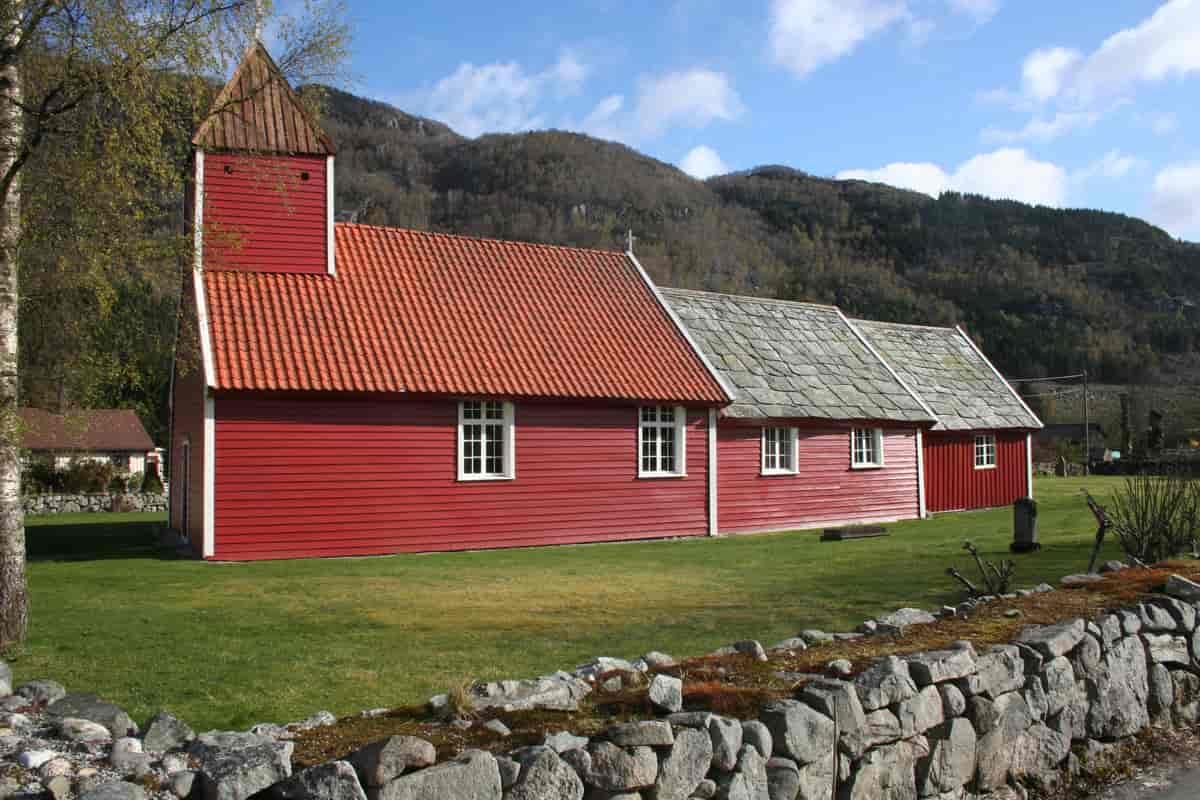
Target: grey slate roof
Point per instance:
(792, 360)
(950, 375)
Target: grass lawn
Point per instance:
(232, 645)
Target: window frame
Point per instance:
(877, 446)
(679, 426)
(793, 436)
(508, 421)
(988, 442)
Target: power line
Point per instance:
(1055, 378)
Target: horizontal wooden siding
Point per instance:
(825, 490)
(299, 478)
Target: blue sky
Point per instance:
(1068, 104)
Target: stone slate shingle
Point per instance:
(952, 378)
(792, 360)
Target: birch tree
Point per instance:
(98, 99)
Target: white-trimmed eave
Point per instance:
(934, 418)
(730, 394)
(996, 372)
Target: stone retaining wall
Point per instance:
(91, 503)
(950, 724)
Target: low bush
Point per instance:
(1156, 517)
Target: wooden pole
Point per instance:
(1087, 429)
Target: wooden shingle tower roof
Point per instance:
(259, 112)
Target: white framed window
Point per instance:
(779, 446)
(866, 448)
(662, 448)
(486, 446)
(985, 451)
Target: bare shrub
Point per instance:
(996, 576)
(1157, 517)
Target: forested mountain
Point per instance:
(1045, 290)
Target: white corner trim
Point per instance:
(198, 213)
(859, 335)
(206, 351)
(920, 474)
(1029, 463)
(730, 394)
(712, 472)
(330, 249)
(996, 372)
(210, 473)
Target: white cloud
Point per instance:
(1006, 173)
(1175, 201)
(692, 98)
(980, 10)
(1165, 45)
(1044, 71)
(500, 97)
(1112, 165)
(702, 162)
(926, 178)
(807, 34)
(1044, 130)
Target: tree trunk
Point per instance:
(14, 599)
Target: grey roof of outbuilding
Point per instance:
(953, 377)
(792, 360)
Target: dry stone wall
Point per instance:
(949, 724)
(93, 503)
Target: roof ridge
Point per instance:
(914, 325)
(751, 298)
(469, 238)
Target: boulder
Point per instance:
(649, 733)
(562, 741)
(545, 776)
(510, 770)
(953, 701)
(1131, 621)
(904, 617)
(705, 790)
(1161, 694)
(1185, 710)
(1035, 698)
(1080, 579)
(1155, 618)
(164, 732)
(127, 757)
(938, 666)
(690, 719)
(999, 729)
(755, 734)
(666, 693)
(233, 766)
(34, 759)
(1059, 678)
(888, 772)
(115, 790)
(552, 693)
(1055, 640)
(181, 783)
(840, 668)
(951, 761)
(387, 759)
(1182, 588)
(474, 775)
(726, 735)
(999, 671)
(1039, 752)
(44, 692)
(838, 699)
(656, 660)
(922, 712)
(93, 709)
(497, 727)
(1183, 613)
(884, 683)
(813, 636)
(603, 765)
(684, 766)
(1087, 659)
(82, 730)
(749, 781)
(783, 779)
(793, 644)
(1165, 648)
(752, 648)
(335, 780)
(880, 727)
(798, 731)
(1110, 630)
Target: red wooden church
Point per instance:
(349, 390)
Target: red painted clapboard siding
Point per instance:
(297, 478)
(263, 217)
(952, 483)
(825, 491)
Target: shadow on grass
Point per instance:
(95, 540)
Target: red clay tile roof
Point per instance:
(258, 111)
(410, 311)
(84, 429)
